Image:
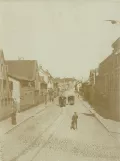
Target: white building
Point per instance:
(46, 76)
(16, 91)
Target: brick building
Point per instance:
(108, 80)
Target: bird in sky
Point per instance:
(113, 21)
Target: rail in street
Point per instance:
(66, 144)
(33, 144)
(29, 116)
(26, 135)
(48, 136)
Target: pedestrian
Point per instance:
(74, 121)
(49, 92)
(14, 111)
(52, 95)
(45, 96)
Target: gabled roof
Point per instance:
(22, 69)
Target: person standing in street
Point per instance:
(14, 112)
(52, 95)
(74, 121)
(45, 96)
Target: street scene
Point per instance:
(60, 81)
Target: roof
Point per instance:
(41, 79)
(57, 80)
(116, 44)
(1, 55)
(48, 73)
(106, 59)
(22, 69)
(63, 79)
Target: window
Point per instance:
(1, 67)
(4, 84)
(109, 82)
(112, 82)
(11, 85)
(117, 81)
(6, 68)
(5, 101)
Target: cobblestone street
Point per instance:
(90, 141)
(19, 140)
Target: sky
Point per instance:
(67, 37)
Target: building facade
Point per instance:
(25, 77)
(108, 80)
(5, 89)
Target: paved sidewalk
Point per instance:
(112, 126)
(7, 126)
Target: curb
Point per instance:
(18, 125)
(110, 132)
(25, 120)
(96, 117)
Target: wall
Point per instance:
(50, 85)
(109, 83)
(5, 93)
(5, 111)
(44, 75)
(27, 97)
(16, 89)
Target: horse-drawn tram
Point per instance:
(67, 96)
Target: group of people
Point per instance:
(49, 93)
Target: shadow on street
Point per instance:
(86, 114)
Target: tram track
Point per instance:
(26, 136)
(27, 119)
(35, 140)
(44, 144)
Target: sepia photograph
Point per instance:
(59, 80)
